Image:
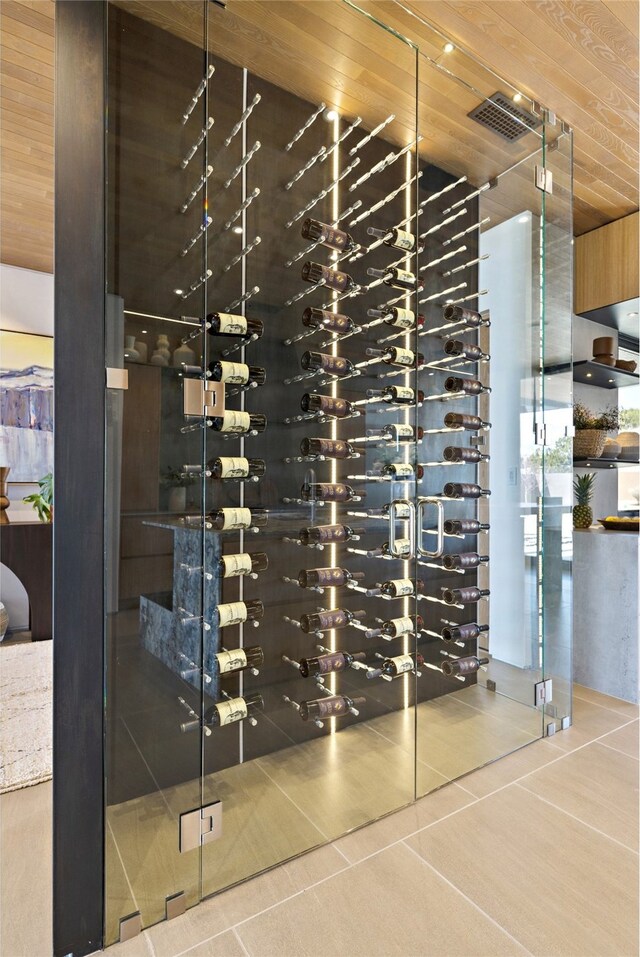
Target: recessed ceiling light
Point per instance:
(238, 230)
(144, 332)
(610, 380)
(632, 314)
(589, 375)
(517, 97)
(178, 292)
(524, 219)
(448, 47)
(330, 115)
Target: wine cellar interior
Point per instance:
(336, 578)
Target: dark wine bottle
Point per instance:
(324, 534)
(459, 453)
(455, 420)
(227, 712)
(464, 526)
(464, 490)
(396, 317)
(228, 519)
(398, 433)
(397, 238)
(323, 362)
(323, 319)
(326, 664)
(464, 596)
(462, 632)
(327, 577)
(401, 664)
(237, 422)
(228, 324)
(237, 612)
(329, 492)
(318, 232)
(462, 666)
(236, 468)
(396, 394)
(467, 350)
(464, 560)
(330, 448)
(460, 314)
(328, 620)
(239, 659)
(334, 706)
(326, 404)
(469, 386)
(325, 275)
(395, 356)
(231, 566)
(396, 627)
(396, 278)
(237, 373)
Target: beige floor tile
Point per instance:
(226, 945)
(136, 947)
(508, 769)
(589, 721)
(554, 883)
(599, 786)
(25, 876)
(374, 837)
(504, 708)
(391, 905)
(224, 910)
(627, 708)
(119, 899)
(625, 739)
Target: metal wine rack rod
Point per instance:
(243, 119)
(244, 298)
(305, 126)
(386, 199)
(385, 163)
(443, 292)
(321, 195)
(246, 159)
(441, 192)
(372, 134)
(245, 205)
(294, 581)
(194, 239)
(194, 192)
(200, 140)
(196, 96)
(305, 292)
(472, 295)
(469, 196)
(347, 212)
(444, 222)
(345, 133)
(441, 259)
(302, 254)
(470, 262)
(243, 252)
(465, 232)
(207, 274)
(296, 541)
(307, 166)
(193, 714)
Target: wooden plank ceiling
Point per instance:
(579, 58)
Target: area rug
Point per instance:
(26, 686)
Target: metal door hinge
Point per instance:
(541, 434)
(544, 179)
(202, 397)
(543, 692)
(200, 826)
(117, 378)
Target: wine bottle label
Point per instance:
(401, 626)
(236, 517)
(404, 392)
(331, 406)
(404, 240)
(403, 357)
(401, 586)
(401, 431)
(329, 663)
(335, 618)
(336, 322)
(334, 447)
(331, 493)
(235, 709)
(403, 275)
(233, 565)
(334, 364)
(236, 373)
(403, 319)
(235, 421)
(234, 468)
(231, 660)
(328, 577)
(331, 706)
(232, 614)
(403, 545)
(335, 279)
(330, 533)
(403, 663)
(231, 325)
(335, 238)
(402, 470)
(467, 666)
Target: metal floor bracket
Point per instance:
(130, 926)
(175, 905)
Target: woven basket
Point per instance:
(588, 443)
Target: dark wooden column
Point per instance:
(78, 813)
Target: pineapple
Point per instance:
(583, 488)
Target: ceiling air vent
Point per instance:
(502, 116)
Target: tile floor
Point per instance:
(534, 854)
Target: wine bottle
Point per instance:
(239, 659)
(398, 588)
(464, 490)
(331, 321)
(318, 232)
(462, 666)
(464, 596)
(464, 560)
(228, 324)
(236, 468)
(402, 470)
(402, 549)
(398, 238)
(334, 706)
(328, 492)
(238, 422)
(231, 566)
(395, 356)
(401, 664)
(396, 317)
(227, 712)
(322, 362)
(228, 519)
(236, 612)
(462, 632)
(396, 394)
(325, 275)
(402, 509)
(466, 350)
(396, 278)
(398, 433)
(396, 627)
(328, 620)
(455, 420)
(330, 448)
(326, 664)
(326, 404)
(464, 526)
(327, 577)
(460, 314)
(469, 386)
(324, 534)
(459, 453)
(237, 373)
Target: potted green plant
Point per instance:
(42, 501)
(582, 511)
(591, 430)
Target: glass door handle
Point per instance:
(422, 504)
(393, 518)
